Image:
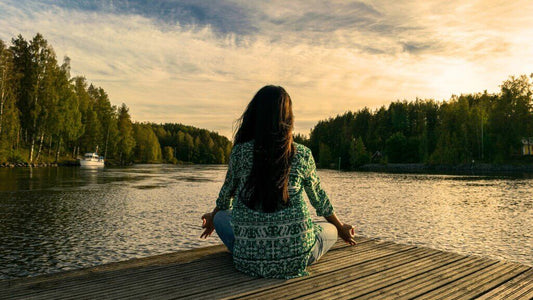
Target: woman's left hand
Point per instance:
(208, 225)
(347, 233)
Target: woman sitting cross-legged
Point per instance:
(260, 213)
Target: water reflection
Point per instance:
(481, 215)
(56, 219)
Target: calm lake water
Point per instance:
(54, 219)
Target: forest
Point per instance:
(479, 127)
(48, 116)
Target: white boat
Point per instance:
(92, 160)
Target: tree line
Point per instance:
(479, 127)
(47, 115)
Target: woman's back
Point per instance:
(276, 244)
(269, 230)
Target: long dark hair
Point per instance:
(268, 120)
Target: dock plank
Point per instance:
(361, 286)
(469, 286)
(219, 291)
(185, 276)
(519, 287)
(431, 280)
(323, 271)
(373, 269)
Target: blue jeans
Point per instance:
(324, 240)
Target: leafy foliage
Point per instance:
(481, 127)
(45, 114)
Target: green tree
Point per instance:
(92, 133)
(220, 156)
(106, 118)
(511, 117)
(126, 141)
(31, 61)
(396, 145)
(65, 123)
(446, 151)
(301, 139)
(147, 149)
(84, 102)
(168, 154)
(359, 155)
(325, 158)
(189, 146)
(9, 114)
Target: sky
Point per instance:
(200, 62)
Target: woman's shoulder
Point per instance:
(245, 146)
(302, 150)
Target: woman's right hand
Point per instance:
(347, 233)
(208, 225)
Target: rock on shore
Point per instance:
(37, 165)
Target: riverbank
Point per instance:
(75, 163)
(480, 168)
(19, 159)
(477, 168)
(38, 165)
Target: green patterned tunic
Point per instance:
(274, 245)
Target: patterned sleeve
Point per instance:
(225, 197)
(317, 196)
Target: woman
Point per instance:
(260, 213)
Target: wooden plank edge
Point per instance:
(135, 263)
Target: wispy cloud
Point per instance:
(200, 62)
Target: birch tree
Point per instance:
(9, 121)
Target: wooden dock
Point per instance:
(371, 270)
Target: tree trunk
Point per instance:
(58, 149)
(31, 148)
(40, 147)
(19, 133)
(106, 139)
(34, 127)
(49, 145)
(1, 111)
(2, 99)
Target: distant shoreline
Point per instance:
(73, 163)
(67, 163)
(481, 168)
(409, 168)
